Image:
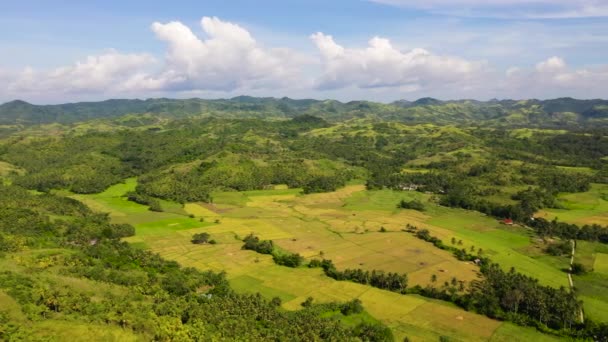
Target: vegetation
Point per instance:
(387, 281)
(90, 192)
(163, 300)
(414, 204)
(201, 238)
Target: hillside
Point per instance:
(564, 112)
(342, 226)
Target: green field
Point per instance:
(593, 286)
(601, 263)
(342, 226)
(589, 207)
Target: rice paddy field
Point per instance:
(343, 226)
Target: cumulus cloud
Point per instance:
(553, 76)
(552, 64)
(109, 71)
(228, 59)
(509, 8)
(381, 65)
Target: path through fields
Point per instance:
(573, 243)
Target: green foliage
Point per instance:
(289, 260)
(200, 238)
(254, 243)
(578, 268)
(324, 184)
(559, 249)
(130, 288)
(151, 202)
(413, 204)
(531, 112)
(389, 281)
(494, 161)
(353, 307)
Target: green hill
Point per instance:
(565, 112)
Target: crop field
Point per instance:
(593, 286)
(601, 263)
(589, 207)
(342, 226)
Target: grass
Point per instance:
(596, 309)
(509, 332)
(601, 263)
(593, 287)
(380, 199)
(582, 208)
(503, 245)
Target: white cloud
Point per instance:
(381, 65)
(95, 74)
(554, 78)
(228, 59)
(552, 64)
(509, 8)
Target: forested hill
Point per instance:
(562, 112)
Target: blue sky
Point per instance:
(62, 51)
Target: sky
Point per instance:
(379, 50)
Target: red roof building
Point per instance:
(508, 221)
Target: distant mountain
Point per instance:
(533, 113)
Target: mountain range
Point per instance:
(561, 112)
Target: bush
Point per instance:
(253, 243)
(414, 205)
(559, 249)
(307, 303)
(353, 307)
(289, 260)
(201, 238)
(578, 269)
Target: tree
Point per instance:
(307, 303)
(578, 268)
(414, 205)
(200, 238)
(276, 301)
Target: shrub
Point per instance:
(201, 238)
